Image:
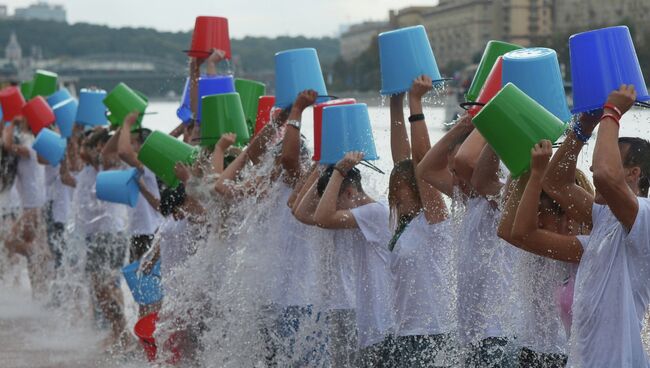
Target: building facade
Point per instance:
(42, 11)
(358, 38)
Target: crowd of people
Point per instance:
(270, 259)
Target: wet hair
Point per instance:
(142, 133)
(171, 199)
(403, 174)
(638, 155)
(95, 138)
(353, 178)
(583, 182)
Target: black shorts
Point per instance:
(140, 244)
(105, 253)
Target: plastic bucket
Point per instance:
(160, 153)
(58, 97)
(123, 100)
(601, 61)
(12, 103)
(39, 114)
(493, 50)
(512, 123)
(118, 186)
(346, 128)
(91, 110)
(26, 89)
(144, 330)
(222, 114)
(65, 113)
(146, 288)
(264, 107)
(295, 71)
(491, 87)
(405, 54)
(250, 92)
(536, 71)
(213, 85)
(318, 122)
(50, 146)
(184, 111)
(44, 83)
(209, 33)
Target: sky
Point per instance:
(246, 17)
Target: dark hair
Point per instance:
(457, 142)
(143, 134)
(96, 138)
(171, 199)
(353, 178)
(403, 174)
(638, 155)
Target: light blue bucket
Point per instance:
(65, 113)
(405, 54)
(58, 97)
(146, 289)
(91, 110)
(118, 186)
(346, 128)
(50, 146)
(213, 85)
(295, 71)
(536, 71)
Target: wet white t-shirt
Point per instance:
(9, 200)
(374, 291)
(424, 283)
(340, 270)
(94, 216)
(30, 177)
(174, 244)
(144, 219)
(612, 291)
(59, 194)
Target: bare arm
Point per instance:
(511, 198)
(327, 215)
(151, 199)
(125, 148)
(178, 131)
(219, 153)
(303, 186)
(291, 141)
(468, 155)
(485, 179)
(304, 207)
(399, 140)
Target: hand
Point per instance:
(349, 161)
(182, 172)
(623, 98)
(131, 119)
(540, 156)
(589, 120)
(421, 85)
(305, 99)
(226, 141)
(216, 56)
(465, 121)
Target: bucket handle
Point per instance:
(467, 105)
(441, 80)
(331, 97)
(371, 166)
(642, 104)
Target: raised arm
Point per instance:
(291, 141)
(8, 140)
(306, 202)
(327, 215)
(609, 173)
(511, 200)
(125, 148)
(178, 131)
(302, 186)
(485, 179)
(219, 153)
(211, 63)
(151, 199)
(467, 156)
(399, 140)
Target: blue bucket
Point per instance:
(536, 71)
(346, 128)
(601, 61)
(118, 186)
(213, 85)
(50, 146)
(146, 289)
(184, 111)
(405, 54)
(65, 113)
(295, 71)
(91, 110)
(58, 97)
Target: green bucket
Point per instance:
(44, 83)
(512, 123)
(123, 100)
(26, 89)
(220, 114)
(250, 92)
(492, 51)
(160, 153)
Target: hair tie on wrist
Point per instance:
(614, 108)
(416, 117)
(613, 117)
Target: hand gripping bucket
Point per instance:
(58, 97)
(50, 146)
(601, 61)
(160, 153)
(118, 186)
(222, 114)
(12, 102)
(39, 114)
(213, 85)
(512, 123)
(318, 122)
(295, 71)
(146, 288)
(490, 88)
(123, 100)
(26, 89)
(346, 128)
(91, 110)
(493, 50)
(210, 33)
(536, 71)
(65, 113)
(250, 92)
(44, 83)
(264, 107)
(405, 54)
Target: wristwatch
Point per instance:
(295, 123)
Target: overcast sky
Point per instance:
(246, 17)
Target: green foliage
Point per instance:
(360, 74)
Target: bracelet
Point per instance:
(343, 174)
(416, 117)
(577, 130)
(613, 108)
(613, 117)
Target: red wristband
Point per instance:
(613, 108)
(343, 174)
(613, 117)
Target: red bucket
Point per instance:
(264, 107)
(318, 121)
(12, 102)
(39, 114)
(490, 88)
(210, 33)
(144, 330)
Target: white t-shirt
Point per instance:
(93, 215)
(144, 219)
(30, 177)
(174, 244)
(9, 200)
(59, 194)
(424, 284)
(375, 280)
(340, 270)
(612, 291)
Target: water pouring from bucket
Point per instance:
(39, 114)
(12, 103)
(298, 70)
(118, 186)
(91, 110)
(493, 51)
(50, 145)
(210, 33)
